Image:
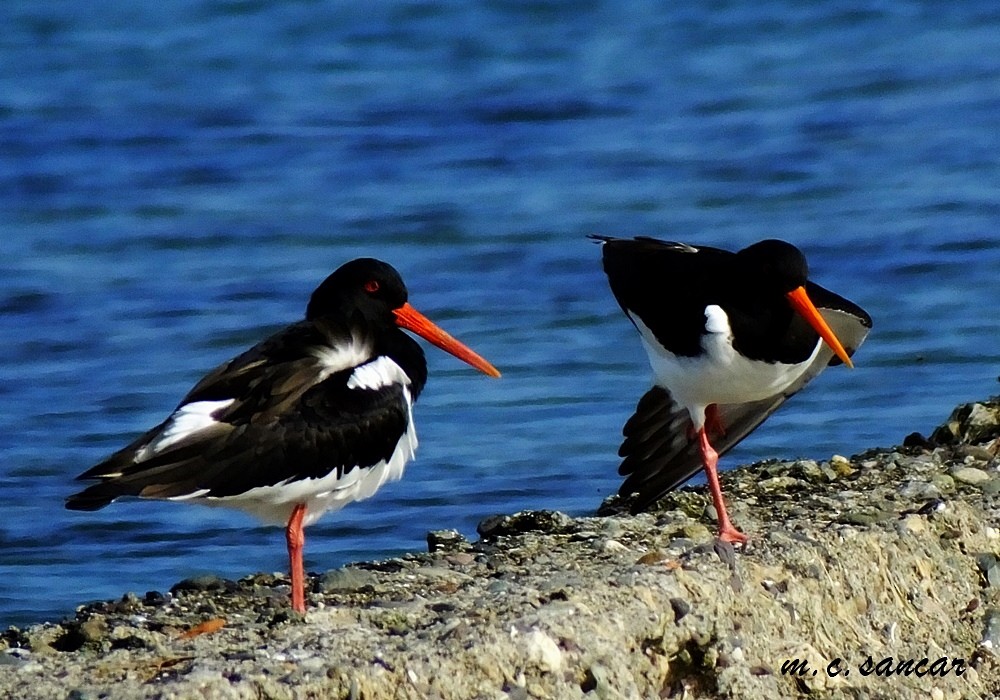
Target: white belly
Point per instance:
(719, 375)
(274, 504)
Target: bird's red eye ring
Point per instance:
(371, 286)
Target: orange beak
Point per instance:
(412, 320)
(803, 304)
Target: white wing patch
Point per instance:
(187, 420)
(380, 372)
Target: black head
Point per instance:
(773, 265)
(365, 285)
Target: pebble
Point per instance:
(612, 547)
(344, 579)
(654, 557)
(549, 521)
(855, 518)
(914, 490)
(461, 558)
(499, 587)
(912, 524)
(696, 532)
(156, 598)
(543, 650)
(204, 583)
(778, 483)
(991, 487)
(943, 482)
(970, 475)
(445, 540)
(612, 528)
(981, 422)
(680, 607)
(970, 423)
(807, 469)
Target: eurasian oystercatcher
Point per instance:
(314, 417)
(729, 336)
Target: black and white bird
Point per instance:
(314, 417)
(730, 336)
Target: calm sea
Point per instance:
(177, 176)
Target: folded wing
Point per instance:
(262, 419)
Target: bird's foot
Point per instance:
(730, 535)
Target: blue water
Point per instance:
(177, 176)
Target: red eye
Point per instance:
(371, 286)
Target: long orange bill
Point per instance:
(412, 320)
(803, 304)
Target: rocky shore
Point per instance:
(881, 572)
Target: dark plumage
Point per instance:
(308, 420)
(730, 337)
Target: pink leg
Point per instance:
(296, 539)
(710, 458)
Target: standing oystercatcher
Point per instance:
(729, 336)
(310, 419)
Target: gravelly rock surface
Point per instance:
(893, 553)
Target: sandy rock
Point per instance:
(857, 570)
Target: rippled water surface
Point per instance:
(176, 177)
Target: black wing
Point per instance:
(282, 415)
(666, 284)
(659, 449)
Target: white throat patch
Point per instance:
(335, 359)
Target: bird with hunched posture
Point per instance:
(730, 336)
(314, 417)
